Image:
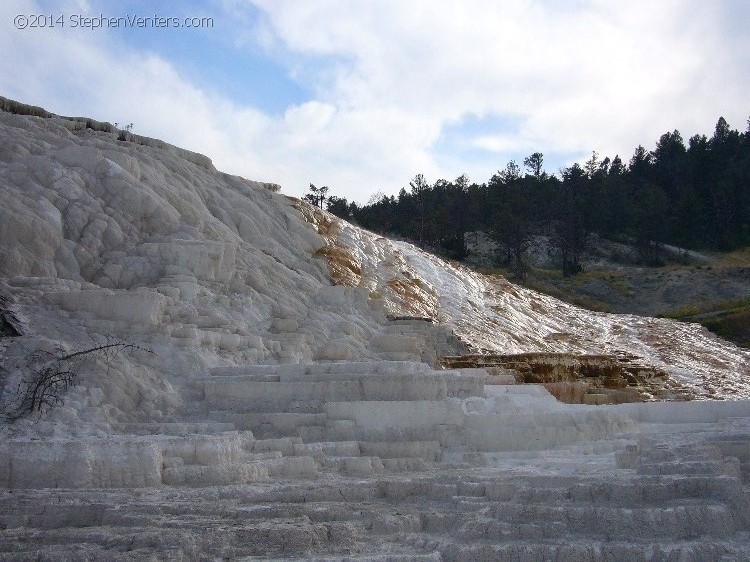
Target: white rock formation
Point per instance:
(282, 415)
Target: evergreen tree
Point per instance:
(696, 196)
(316, 196)
(338, 206)
(419, 188)
(534, 163)
(570, 230)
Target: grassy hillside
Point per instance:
(715, 294)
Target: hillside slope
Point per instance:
(707, 288)
(284, 398)
(148, 244)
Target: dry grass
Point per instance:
(738, 258)
(734, 326)
(712, 309)
(729, 319)
(582, 301)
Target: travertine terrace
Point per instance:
(287, 400)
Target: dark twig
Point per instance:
(51, 375)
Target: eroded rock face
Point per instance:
(580, 378)
(10, 325)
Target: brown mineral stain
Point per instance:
(344, 267)
(415, 296)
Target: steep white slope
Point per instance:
(495, 316)
(152, 245)
(136, 242)
(272, 410)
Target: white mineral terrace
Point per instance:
(273, 411)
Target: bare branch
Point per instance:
(51, 376)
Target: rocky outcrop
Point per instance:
(85, 123)
(10, 324)
(583, 379)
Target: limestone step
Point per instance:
(285, 445)
(276, 424)
(354, 466)
(228, 473)
(398, 343)
(331, 448)
(299, 466)
(169, 539)
(574, 551)
(456, 423)
(370, 466)
(341, 367)
(730, 467)
(117, 461)
(176, 428)
(426, 450)
(623, 493)
(390, 557)
(404, 464)
(471, 378)
(399, 457)
(400, 355)
(248, 394)
(219, 408)
(207, 449)
(367, 515)
(253, 468)
(736, 446)
(315, 433)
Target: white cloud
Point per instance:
(602, 75)
(389, 77)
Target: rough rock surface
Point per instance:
(579, 378)
(274, 410)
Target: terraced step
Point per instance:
(426, 450)
(246, 393)
(574, 551)
(454, 423)
(737, 447)
(465, 516)
(244, 472)
(176, 428)
(361, 461)
(274, 424)
(320, 450)
(289, 372)
(353, 466)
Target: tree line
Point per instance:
(696, 196)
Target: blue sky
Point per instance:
(361, 96)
